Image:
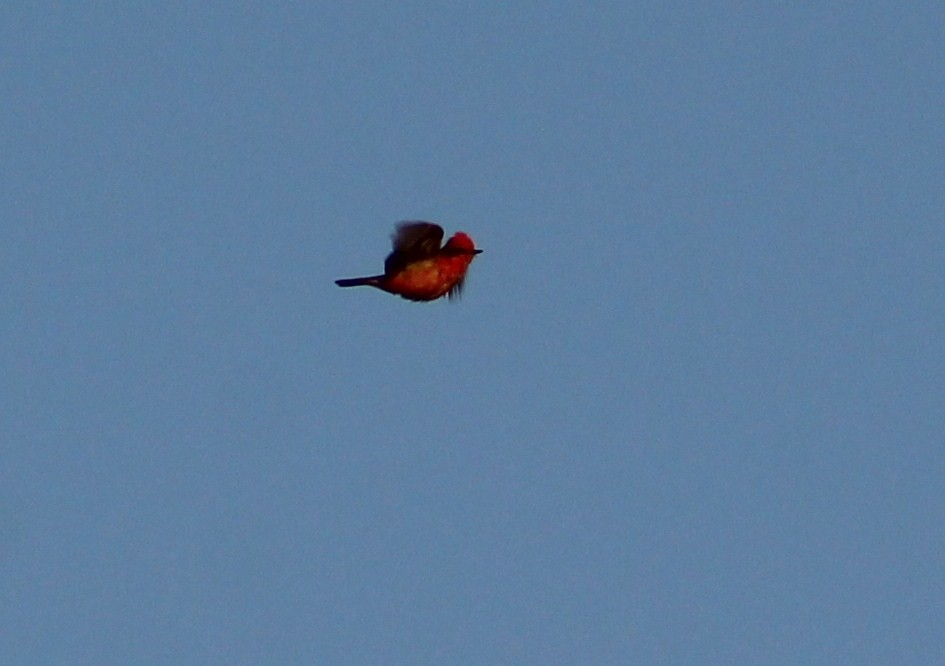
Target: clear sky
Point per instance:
(689, 410)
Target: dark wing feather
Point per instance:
(418, 237)
(413, 241)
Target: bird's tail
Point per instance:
(372, 281)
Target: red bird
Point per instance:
(419, 269)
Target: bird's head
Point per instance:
(461, 243)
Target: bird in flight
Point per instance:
(419, 269)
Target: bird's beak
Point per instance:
(477, 251)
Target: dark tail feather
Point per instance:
(359, 282)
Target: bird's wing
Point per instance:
(413, 241)
(418, 237)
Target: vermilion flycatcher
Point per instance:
(419, 269)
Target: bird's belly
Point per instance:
(423, 280)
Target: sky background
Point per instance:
(689, 410)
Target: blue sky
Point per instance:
(688, 411)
